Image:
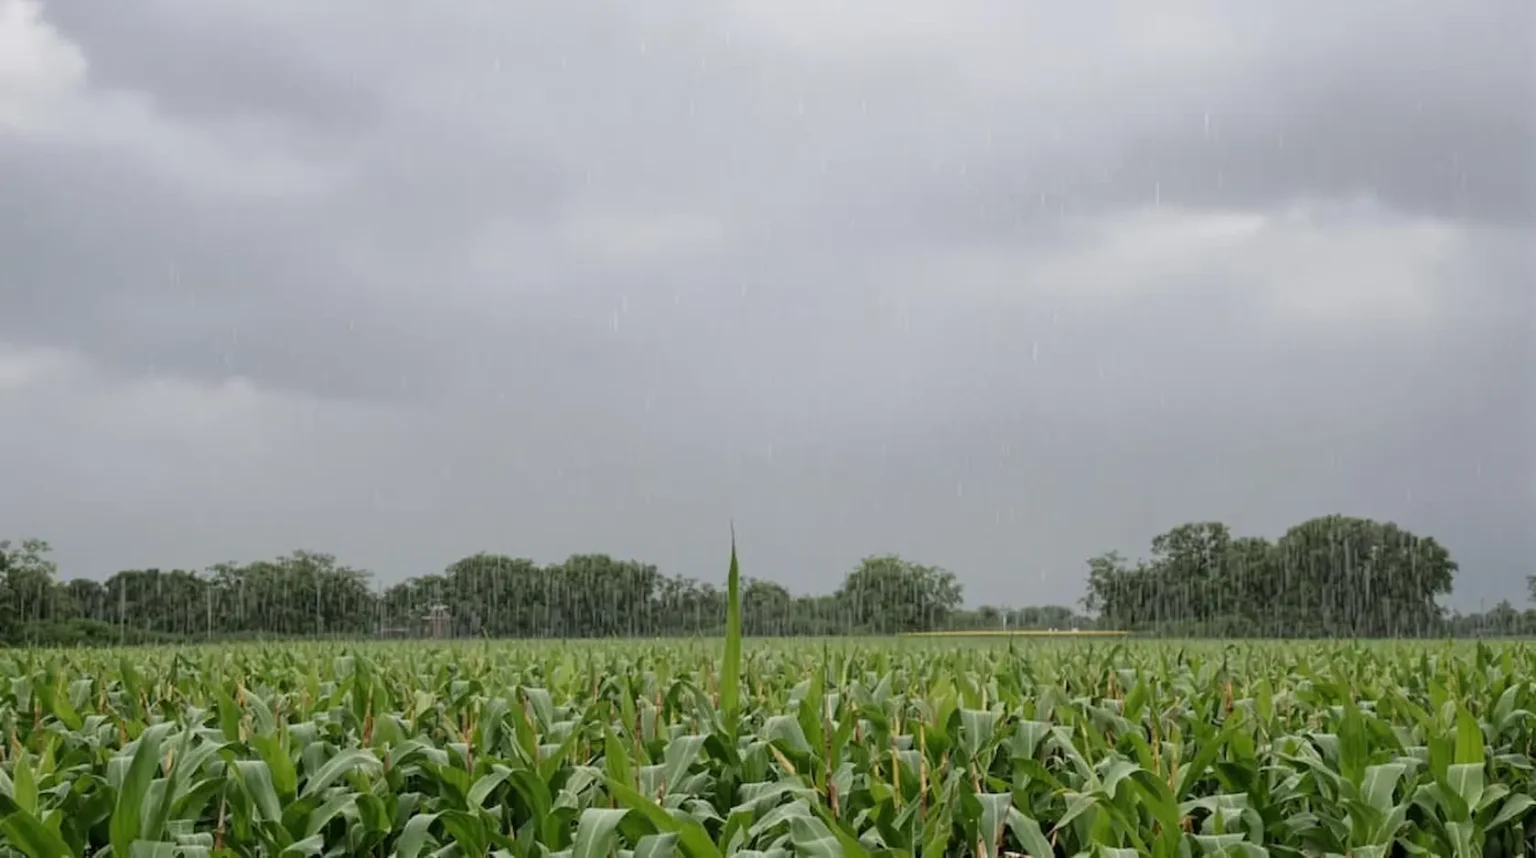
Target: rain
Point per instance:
(1014, 357)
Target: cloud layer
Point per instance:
(996, 286)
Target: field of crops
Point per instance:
(933, 748)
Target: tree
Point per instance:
(1328, 576)
(1109, 595)
(766, 608)
(888, 595)
(26, 584)
(1190, 563)
(148, 600)
(1358, 577)
(1250, 570)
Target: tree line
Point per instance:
(307, 593)
(1328, 577)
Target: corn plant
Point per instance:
(829, 748)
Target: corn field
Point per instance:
(877, 747)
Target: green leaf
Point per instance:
(1189, 775)
(256, 780)
(1028, 832)
(1354, 743)
(1379, 784)
(285, 779)
(847, 842)
(693, 838)
(994, 816)
(485, 785)
(306, 848)
(413, 838)
(229, 715)
(467, 830)
(322, 816)
(154, 849)
(58, 706)
(787, 731)
(1515, 807)
(123, 828)
(1077, 804)
(730, 667)
(616, 758)
(1469, 738)
(32, 837)
(597, 832)
(23, 785)
(657, 846)
(812, 838)
(1466, 780)
(352, 759)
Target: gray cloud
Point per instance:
(200, 64)
(989, 286)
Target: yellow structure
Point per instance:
(1020, 633)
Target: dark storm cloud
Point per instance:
(200, 63)
(994, 286)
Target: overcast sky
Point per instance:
(995, 285)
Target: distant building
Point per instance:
(439, 622)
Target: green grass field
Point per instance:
(907, 746)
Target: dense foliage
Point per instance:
(1328, 577)
(1332, 576)
(484, 595)
(527, 749)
